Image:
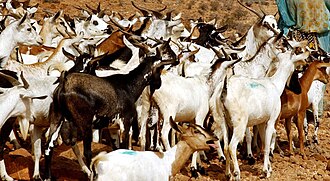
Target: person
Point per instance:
(307, 19)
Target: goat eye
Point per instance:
(95, 23)
(29, 29)
(196, 131)
(273, 25)
(62, 23)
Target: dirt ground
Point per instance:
(19, 163)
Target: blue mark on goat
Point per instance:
(129, 152)
(255, 85)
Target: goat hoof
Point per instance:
(228, 176)
(236, 175)
(251, 160)
(265, 174)
(201, 170)
(37, 178)
(222, 160)
(315, 140)
(194, 173)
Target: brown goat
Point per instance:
(296, 104)
(110, 45)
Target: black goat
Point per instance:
(87, 102)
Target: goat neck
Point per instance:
(285, 69)
(7, 42)
(309, 76)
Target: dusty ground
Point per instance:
(65, 167)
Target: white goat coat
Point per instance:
(257, 107)
(129, 165)
(188, 97)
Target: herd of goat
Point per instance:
(135, 78)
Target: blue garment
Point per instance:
(309, 16)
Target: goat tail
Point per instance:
(100, 157)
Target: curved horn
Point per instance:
(250, 9)
(68, 55)
(218, 53)
(25, 83)
(11, 79)
(227, 57)
(144, 12)
(117, 24)
(77, 48)
(94, 11)
(262, 10)
(23, 19)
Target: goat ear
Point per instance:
(68, 55)
(89, 18)
(174, 125)
(57, 15)
(25, 83)
(23, 19)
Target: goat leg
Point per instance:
(300, 126)
(289, 134)
(5, 131)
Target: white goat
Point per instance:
(252, 102)
(19, 31)
(146, 165)
(15, 102)
(53, 27)
(315, 96)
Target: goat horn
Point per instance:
(156, 40)
(117, 24)
(23, 19)
(11, 79)
(252, 10)
(25, 83)
(262, 10)
(225, 53)
(218, 53)
(78, 50)
(240, 40)
(222, 29)
(98, 9)
(82, 9)
(68, 55)
(94, 11)
(144, 12)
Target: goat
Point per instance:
(53, 27)
(256, 102)
(174, 100)
(40, 68)
(257, 59)
(117, 165)
(15, 102)
(296, 104)
(19, 31)
(315, 95)
(110, 96)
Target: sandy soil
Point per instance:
(65, 167)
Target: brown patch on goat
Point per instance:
(113, 43)
(34, 50)
(159, 154)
